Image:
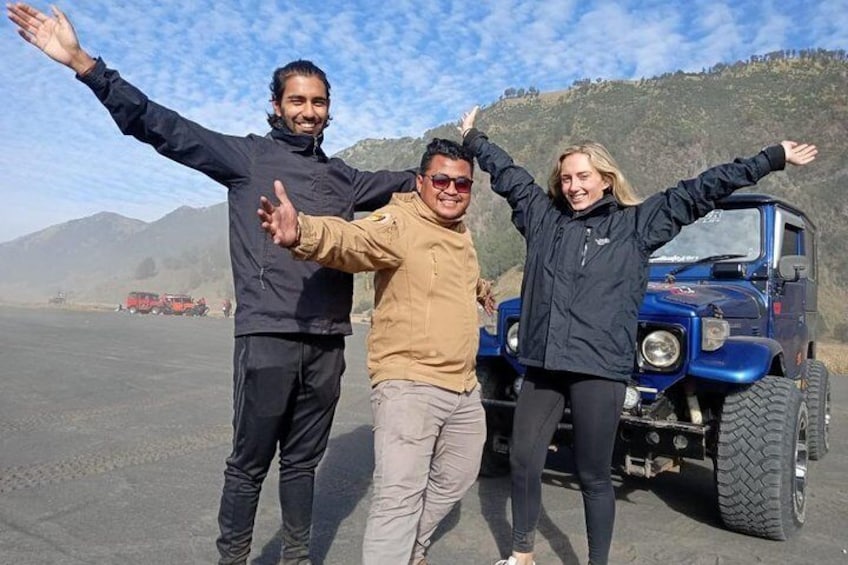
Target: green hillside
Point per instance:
(667, 128)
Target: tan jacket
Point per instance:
(424, 327)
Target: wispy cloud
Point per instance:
(396, 70)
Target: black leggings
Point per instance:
(595, 407)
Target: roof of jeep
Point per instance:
(749, 198)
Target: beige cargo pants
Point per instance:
(427, 447)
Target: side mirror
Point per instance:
(793, 268)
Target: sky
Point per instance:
(396, 69)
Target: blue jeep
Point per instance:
(725, 365)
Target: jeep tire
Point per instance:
(493, 463)
(818, 404)
(761, 460)
(132, 310)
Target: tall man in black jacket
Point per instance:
(291, 316)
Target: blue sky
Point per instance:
(396, 69)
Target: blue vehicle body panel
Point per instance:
(742, 360)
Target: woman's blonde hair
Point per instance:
(603, 162)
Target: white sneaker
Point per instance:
(511, 561)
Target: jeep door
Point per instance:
(790, 297)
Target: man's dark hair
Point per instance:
(302, 68)
(448, 148)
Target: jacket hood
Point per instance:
(728, 301)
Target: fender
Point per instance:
(741, 360)
(489, 346)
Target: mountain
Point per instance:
(660, 130)
(100, 258)
(668, 128)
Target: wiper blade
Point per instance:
(669, 278)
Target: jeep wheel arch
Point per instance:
(761, 460)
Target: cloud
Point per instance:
(396, 70)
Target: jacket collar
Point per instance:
(425, 212)
(603, 206)
(299, 142)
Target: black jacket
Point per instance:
(586, 273)
(274, 293)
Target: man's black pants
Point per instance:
(285, 390)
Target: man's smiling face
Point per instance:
(448, 204)
(304, 105)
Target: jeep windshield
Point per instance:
(731, 234)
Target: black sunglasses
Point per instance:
(442, 182)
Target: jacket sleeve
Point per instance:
(369, 244)
(660, 217)
(373, 190)
(224, 158)
(527, 199)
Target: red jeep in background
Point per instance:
(143, 303)
(172, 304)
(178, 304)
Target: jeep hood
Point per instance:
(732, 301)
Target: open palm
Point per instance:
(54, 36)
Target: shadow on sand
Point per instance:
(342, 481)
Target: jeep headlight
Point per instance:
(512, 339)
(714, 332)
(661, 348)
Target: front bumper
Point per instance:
(638, 436)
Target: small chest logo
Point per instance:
(601, 241)
(380, 217)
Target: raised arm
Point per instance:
(372, 190)
(661, 216)
(223, 158)
(369, 244)
(527, 199)
(55, 36)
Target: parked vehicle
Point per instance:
(57, 300)
(177, 304)
(726, 365)
(139, 302)
(200, 308)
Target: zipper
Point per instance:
(585, 247)
(434, 275)
(263, 260)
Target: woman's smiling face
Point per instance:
(582, 184)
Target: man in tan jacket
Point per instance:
(429, 424)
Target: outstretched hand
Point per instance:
(54, 36)
(799, 153)
(487, 302)
(467, 121)
(280, 222)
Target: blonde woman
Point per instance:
(588, 242)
